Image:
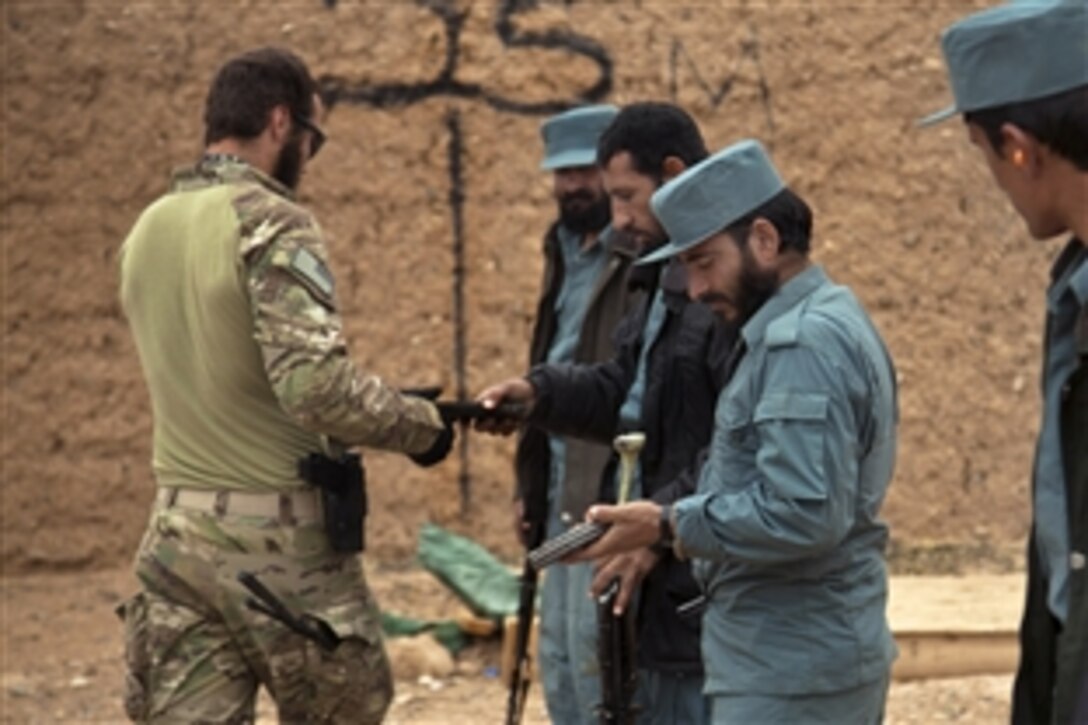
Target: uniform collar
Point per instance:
(801, 286)
(674, 278)
(225, 169)
(1069, 275)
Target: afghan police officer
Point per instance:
(784, 526)
(583, 297)
(1019, 74)
(226, 287)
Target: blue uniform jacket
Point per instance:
(1052, 681)
(785, 523)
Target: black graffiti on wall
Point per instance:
(681, 63)
(446, 84)
(456, 154)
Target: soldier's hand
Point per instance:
(514, 390)
(631, 568)
(438, 450)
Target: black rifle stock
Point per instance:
(615, 654)
(535, 514)
(466, 411)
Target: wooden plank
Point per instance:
(475, 625)
(944, 627)
(509, 649)
(956, 604)
(930, 655)
(955, 626)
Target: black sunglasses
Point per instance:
(318, 137)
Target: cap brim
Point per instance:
(942, 115)
(569, 159)
(665, 252)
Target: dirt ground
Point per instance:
(61, 661)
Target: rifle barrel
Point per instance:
(573, 539)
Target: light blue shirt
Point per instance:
(581, 268)
(631, 409)
(1066, 297)
(785, 523)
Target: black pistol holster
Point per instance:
(342, 482)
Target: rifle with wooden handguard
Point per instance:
(535, 515)
(616, 658)
(615, 635)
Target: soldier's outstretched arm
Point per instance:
(299, 333)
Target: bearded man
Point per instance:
(225, 284)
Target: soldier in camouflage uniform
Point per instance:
(227, 291)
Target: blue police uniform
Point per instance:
(785, 524)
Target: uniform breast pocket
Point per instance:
(738, 426)
(732, 450)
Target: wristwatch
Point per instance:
(664, 523)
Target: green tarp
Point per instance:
(448, 634)
(478, 579)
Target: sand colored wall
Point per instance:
(102, 98)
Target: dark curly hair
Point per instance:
(246, 89)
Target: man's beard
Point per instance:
(288, 169)
(754, 288)
(581, 212)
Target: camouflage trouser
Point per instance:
(194, 651)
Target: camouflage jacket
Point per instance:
(226, 285)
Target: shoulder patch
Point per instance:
(312, 270)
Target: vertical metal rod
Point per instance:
(460, 352)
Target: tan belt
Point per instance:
(288, 507)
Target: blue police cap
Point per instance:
(1021, 51)
(570, 138)
(713, 194)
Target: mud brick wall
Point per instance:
(431, 197)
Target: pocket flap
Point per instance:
(792, 406)
(352, 619)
